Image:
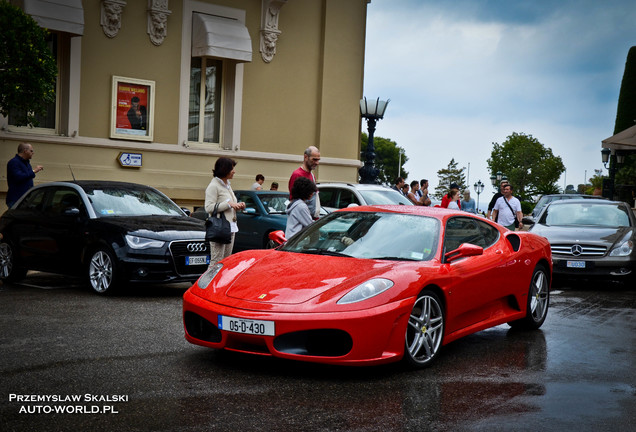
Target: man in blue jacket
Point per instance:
(20, 174)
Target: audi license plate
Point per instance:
(246, 326)
(197, 260)
(575, 264)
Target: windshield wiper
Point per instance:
(317, 251)
(396, 258)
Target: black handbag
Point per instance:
(217, 228)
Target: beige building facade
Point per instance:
(255, 80)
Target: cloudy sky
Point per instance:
(463, 74)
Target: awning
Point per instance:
(214, 36)
(61, 15)
(625, 140)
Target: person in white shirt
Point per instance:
(508, 209)
(258, 184)
(454, 196)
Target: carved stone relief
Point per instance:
(110, 18)
(158, 20)
(270, 10)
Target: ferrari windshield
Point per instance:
(118, 201)
(392, 236)
(581, 213)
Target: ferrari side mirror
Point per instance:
(464, 250)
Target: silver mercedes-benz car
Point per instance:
(590, 238)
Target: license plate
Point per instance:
(197, 260)
(246, 326)
(575, 264)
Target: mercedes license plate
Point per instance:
(575, 264)
(197, 260)
(246, 326)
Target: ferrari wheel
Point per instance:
(538, 301)
(9, 268)
(425, 330)
(102, 272)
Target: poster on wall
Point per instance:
(133, 102)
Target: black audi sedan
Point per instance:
(111, 232)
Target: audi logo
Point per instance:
(196, 247)
(577, 250)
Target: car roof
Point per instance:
(95, 183)
(572, 195)
(595, 200)
(353, 185)
(262, 192)
(438, 212)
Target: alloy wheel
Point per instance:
(100, 271)
(425, 329)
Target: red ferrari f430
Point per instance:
(371, 285)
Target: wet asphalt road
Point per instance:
(127, 362)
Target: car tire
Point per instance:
(424, 331)
(10, 269)
(102, 271)
(538, 301)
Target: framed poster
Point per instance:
(133, 109)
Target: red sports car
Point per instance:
(370, 285)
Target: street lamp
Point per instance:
(479, 188)
(372, 111)
(605, 156)
(495, 179)
(615, 159)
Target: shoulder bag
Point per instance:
(514, 215)
(217, 228)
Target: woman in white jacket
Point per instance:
(220, 192)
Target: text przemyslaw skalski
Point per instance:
(54, 398)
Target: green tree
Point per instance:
(546, 188)
(596, 182)
(28, 70)
(387, 158)
(448, 175)
(532, 168)
(626, 118)
(626, 110)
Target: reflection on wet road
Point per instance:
(577, 372)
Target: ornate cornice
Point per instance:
(158, 20)
(270, 10)
(110, 18)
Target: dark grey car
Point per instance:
(547, 199)
(590, 237)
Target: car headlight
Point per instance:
(623, 247)
(364, 291)
(207, 277)
(137, 242)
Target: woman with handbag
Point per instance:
(220, 202)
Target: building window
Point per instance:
(215, 45)
(48, 122)
(204, 122)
